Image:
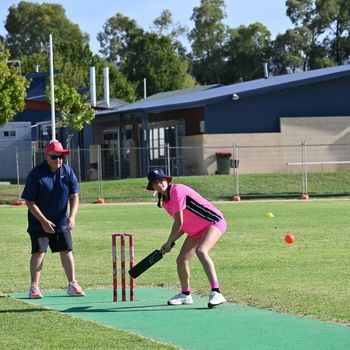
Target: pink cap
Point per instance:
(55, 146)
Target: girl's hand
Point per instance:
(166, 248)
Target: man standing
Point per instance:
(49, 187)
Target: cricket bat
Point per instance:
(146, 263)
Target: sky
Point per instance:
(91, 15)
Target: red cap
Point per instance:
(55, 146)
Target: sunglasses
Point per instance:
(55, 156)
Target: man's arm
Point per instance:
(48, 226)
(73, 209)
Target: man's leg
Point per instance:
(67, 259)
(64, 245)
(36, 265)
(68, 264)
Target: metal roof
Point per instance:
(182, 91)
(36, 90)
(202, 97)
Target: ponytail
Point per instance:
(159, 204)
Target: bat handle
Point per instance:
(172, 245)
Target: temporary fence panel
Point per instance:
(251, 171)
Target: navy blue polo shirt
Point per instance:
(50, 192)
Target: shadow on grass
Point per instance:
(10, 311)
(146, 308)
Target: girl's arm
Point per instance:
(175, 233)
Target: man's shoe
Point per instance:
(180, 299)
(74, 290)
(215, 299)
(34, 292)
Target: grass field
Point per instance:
(215, 187)
(255, 266)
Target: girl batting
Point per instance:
(204, 225)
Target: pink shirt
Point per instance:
(198, 213)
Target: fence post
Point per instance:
(17, 171)
(33, 155)
(235, 162)
(99, 171)
(120, 159)
(304, 170)
(167, 165)
(79, 174)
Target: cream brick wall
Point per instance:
(270, 152)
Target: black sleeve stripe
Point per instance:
(201, 211)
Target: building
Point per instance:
(196, 124)
(187, 131)
(37, 114)
(15, 151)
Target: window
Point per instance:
(157, 142)
(161, 135)
(9, 133)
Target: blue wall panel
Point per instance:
(261, 113)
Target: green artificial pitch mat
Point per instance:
(229, 326)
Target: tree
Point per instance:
(208, 37)
(335, 15)
(328, 23)
(288, 50)
(72, 62)
(246, 52)
(302, 13)
(320, 57)
(74, 112)
(163, 25)
(29, 25)
(12, 89)
(153, 57)
(118, 32)
(119, 85)
(139, 54)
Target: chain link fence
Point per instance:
(251, 171)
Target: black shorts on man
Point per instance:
(57, 242)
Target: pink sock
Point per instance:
(186, 290)
(215, 284)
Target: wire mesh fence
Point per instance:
(247, 171)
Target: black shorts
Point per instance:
(58, 242)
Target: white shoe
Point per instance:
(34, 292)
(215, 299)
(180, 299)
(74, 290)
